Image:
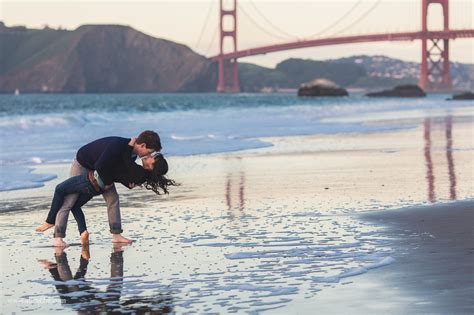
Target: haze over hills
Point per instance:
(119, 59)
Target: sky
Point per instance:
(259, 22)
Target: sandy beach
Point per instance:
(308, 224)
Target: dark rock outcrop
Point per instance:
(462, 96)
(400, 91)
(321, 87)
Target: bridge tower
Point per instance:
(228, 75)
(434, 72)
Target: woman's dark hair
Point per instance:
(157, 179)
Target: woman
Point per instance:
(151, 176)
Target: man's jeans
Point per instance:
(111, 199)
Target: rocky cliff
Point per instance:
(99, 58)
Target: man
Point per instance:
(101, 155)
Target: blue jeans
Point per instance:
(74, 185)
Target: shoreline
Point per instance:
(262, 142)
(278, 145)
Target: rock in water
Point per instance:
(408, 90)
(321, 87)
(462, 96)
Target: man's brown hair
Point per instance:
(151, 139)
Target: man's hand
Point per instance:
(132, 185)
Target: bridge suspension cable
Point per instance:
(209, 11)
(259, 26)
(291, 36)
(214, 36)
(363, 16)
(348, 12)
(283, 35)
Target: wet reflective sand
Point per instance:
(246, 232)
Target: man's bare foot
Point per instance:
(59, 242)
(43, 227)
(85, 238)
(118, 238)
(85, 253)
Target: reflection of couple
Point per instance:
(97, 166)
(86, 298)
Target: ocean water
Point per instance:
(44, 129)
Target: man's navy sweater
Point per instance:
(112, 158)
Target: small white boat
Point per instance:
(17, 92)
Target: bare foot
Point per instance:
(85, 238)
(118, 238)
(85, 253)
(59, 242)
(43, 227)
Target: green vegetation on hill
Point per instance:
(253, 78)
(292, 72)
(299, 71)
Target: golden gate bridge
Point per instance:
(434, 68)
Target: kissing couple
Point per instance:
(95, 170)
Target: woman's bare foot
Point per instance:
(43, 227)
(59, 242)
(118, 238)
(85, 238)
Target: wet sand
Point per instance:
(278, 229)
(435, 263)
(433, 272)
